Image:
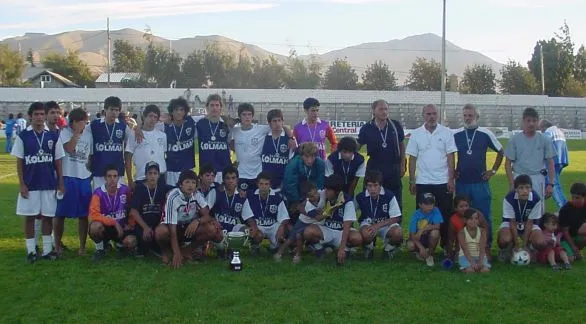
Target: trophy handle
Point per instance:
(246, 238)
(225, 238)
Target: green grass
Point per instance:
(404, 290)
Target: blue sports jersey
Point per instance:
(275, 157)
(522, 210)
(39, 165)
(228, 210)
(266, 211)
(472, 146)
(377, 210)
(336, 222)
(213, 144)
(344, 169)
(180, 146)
(108, 146)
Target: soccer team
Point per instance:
(284, 187)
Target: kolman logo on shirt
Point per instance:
(244, 186)
(119, 133)
(123, 199)
(222, 132)
(283, 148)
(273, 209)
(50, 144)
(238, 207)
(386, 208)
(188, 131)
(322, 134)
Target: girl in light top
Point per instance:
(472, 241)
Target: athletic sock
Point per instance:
(38, 234)
(47, 244)
(99, 245)
(31, 246)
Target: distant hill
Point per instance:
(399, 54)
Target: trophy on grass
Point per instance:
(236, 241)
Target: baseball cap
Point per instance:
(151, 165)
(310, 102)
(427, 198)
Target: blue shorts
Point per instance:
(465, 264)
(298, 229)
(76, 201)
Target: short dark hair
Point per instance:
(306, 186)
(214, 97)
(469, 213)
(310, 103)
(522, 180)
(460, 198)
(530, 112)
(578, 188)
(348, 143)
(207, 168)
(34, 107)
(229, 170)
(265, 175)
(373, 176)
(20, 114)
(178, 102)
(334, 182)
(546, 218)
(112, 102)
(76, 115)
(10, 116)
(274, 113)
(245, 106)
(51, 105)
(110, 167)
(187, 175)
(150, 109)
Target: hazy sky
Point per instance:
(501, 29)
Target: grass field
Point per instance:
(404, 290)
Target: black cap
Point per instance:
(151, 165)
(310, 102)
(427, 198)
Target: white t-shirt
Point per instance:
(180, 209)
(75, 164)
(248, 146)
(431, 150)
(310, 207)
(152, 148)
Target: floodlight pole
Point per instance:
(443, 76)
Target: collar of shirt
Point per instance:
(304, 121)
(30, 127)
(272, 192)
(382, 192)
(103, 120)
(340, 156)
(528, 199)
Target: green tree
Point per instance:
(162, 66)
(516, 79)
(478, 79)
(425, 75)
(268, 73)
(11, 67)
(575, 88)
(71, 67)
(194, 74)
(218, 66)
(301, 74)
(242, 73)
(580, 65)
(127, 58)
(378, 76)
(341, 76)
(558, 62)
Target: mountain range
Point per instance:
(399, 54)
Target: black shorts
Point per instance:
(111, 234)
(181, 228)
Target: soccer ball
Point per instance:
(521, 258)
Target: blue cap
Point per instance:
(310, 102)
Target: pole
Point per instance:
(542, 69)
(109, 48)
(443, 80)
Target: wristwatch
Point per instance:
(493, 172)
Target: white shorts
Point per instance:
(383, 231)
(172, 178)
(39, 202)
(331, 237)
(508, 225)
(99, 181)
(270, 233)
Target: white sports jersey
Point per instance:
(152, 148)
(182, 210)
(248, 145)
(75, 164)
(311, 207)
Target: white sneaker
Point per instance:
(278, 257)
(429, 261)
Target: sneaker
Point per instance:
(31, 258)
(429, 261)
(51, 256)
(555, 267)
(296, 259)
(278, 257)
(99, 255)
(390, 252)
(567, 266)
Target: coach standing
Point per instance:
(560, 160)
(431, 151)
(383, 138)
(471, 175)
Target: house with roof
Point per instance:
(117, 79)
(41, 77)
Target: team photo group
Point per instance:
(133, 190)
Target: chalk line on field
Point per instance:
(7, 175)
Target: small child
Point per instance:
(314, 203)
(458, 222)
(472, 240)
(424, 229)
(553, 250)
(348, 163)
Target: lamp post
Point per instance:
(443, 76)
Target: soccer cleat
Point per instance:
(567, 266)
(555, 267)
(31, 258)
(99, 255)
(51, 256)
(429, 261)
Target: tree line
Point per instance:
(564, 70)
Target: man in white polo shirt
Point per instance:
(431, 151)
